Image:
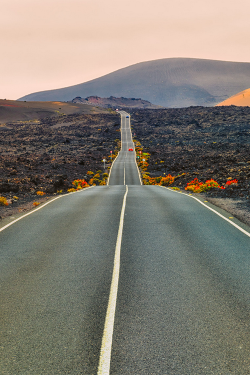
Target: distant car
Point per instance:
(127, 116)
(130, 149)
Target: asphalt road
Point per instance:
(183, 299)
(55, 275)
(124, 169)
(184, 290)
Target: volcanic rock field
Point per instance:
(194, 142)
(49, 154)
(198, 142)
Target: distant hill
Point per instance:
(12, 110)
(113, 102)
(174, 82)
(241, 99)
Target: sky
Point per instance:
(48, 44)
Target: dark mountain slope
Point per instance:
(175, 82)
(113, 102)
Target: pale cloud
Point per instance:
(56, 43)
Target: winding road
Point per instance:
(125, 279)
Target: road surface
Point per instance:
(183, 275)
(124, 169)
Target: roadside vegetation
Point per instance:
(3, 201)
(198, 142)
(195, 186)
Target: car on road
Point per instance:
(130, 149)
(127, 116)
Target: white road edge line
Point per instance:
(111, 168)
(105, 354)
(139, 174)
(211, 209)
(117, 155)
(39, 208)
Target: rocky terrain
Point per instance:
(198, 142)
(47, 155)
(113, 102)
(195, 142)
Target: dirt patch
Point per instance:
(23, 205)
(22, 111)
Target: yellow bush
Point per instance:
(3, 201)
(71, 190)
(80, 184)
(168, 180)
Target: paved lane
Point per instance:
(55, 274)
(184, 290)
(124, 169)
(183, 299)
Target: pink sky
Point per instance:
(47, 44)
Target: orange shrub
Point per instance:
(147, 180)
(166, 181)
(40, 193)
(3, 201)
(80, 184)
(232, 182)
(197, 187)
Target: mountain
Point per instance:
(113, 102)
(173, 82)
(241, 99)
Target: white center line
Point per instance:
(124, 182)
(105, 355)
